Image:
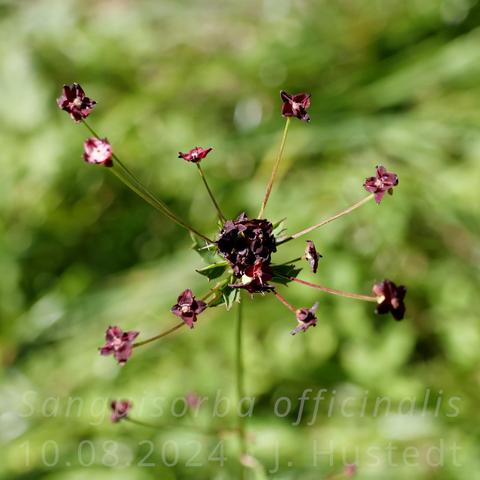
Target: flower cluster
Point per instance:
(240, 255)
(243, 249)
(244, 243)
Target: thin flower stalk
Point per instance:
(285, 302)
(240, 385)
(160, 335)
(328, 220)
(132, 182)
(341, 293)
(221, 216)
(275, 169)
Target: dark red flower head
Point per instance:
(306, 318)
(255, 278)
(312, 256)
(195, 155)
(295, 105)
(97, 151)
(390, 299)
(244, 242)
(382, 182)
(118, 343)
(74, 102)
(120, 409)
(187, 307)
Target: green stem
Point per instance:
(210, 193)
(341, 293)
(132, 182)
(328, 220)
(240, 385)
(275, 169)
(160, 335)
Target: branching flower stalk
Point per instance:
(132, 182)
(240, 257)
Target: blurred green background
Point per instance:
(393, 82)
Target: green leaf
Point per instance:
(213, 271)
(207, 252)
(282, 272)
(225, 295)
(279, 227)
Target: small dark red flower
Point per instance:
(255, 278)
(187, 307)
(350, 470)
(74, 102)
(382, 182)
(390, 299)
(118, 343)
(312, 256)
(306, 318)
(295, 105)
(97, 151)
(195, 155)
(120, 409)
(193, 400)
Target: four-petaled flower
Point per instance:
(195, 155)
(74, 102)
(312, 256)
(118, 343)
(382, 182)
(306, 318)
(97, 151)
(120, 409)
(390, 299)
(295, 105)
(187, 307)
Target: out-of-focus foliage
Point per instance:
(393, 82)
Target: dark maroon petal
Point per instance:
(285, 97)
(123, 353)
(379, 196)
(287, 110)
(131, 336)
(303, 99)
(199, 306)
(106, 350)
(112, 333)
